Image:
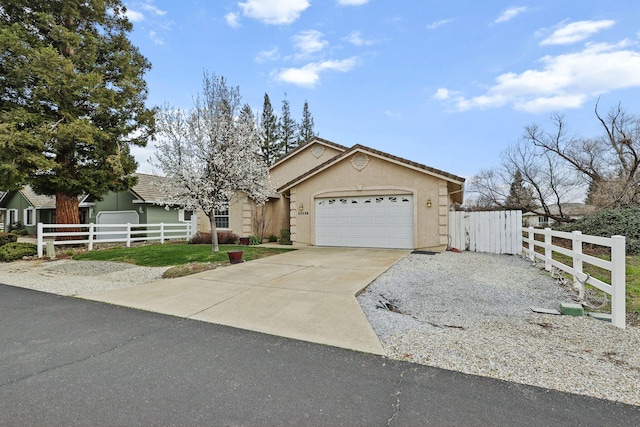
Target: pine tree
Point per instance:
(270, 144)
(72, 99)
(287, 127)
(305, 130)
(520, 196)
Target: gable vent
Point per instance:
(360, 161)
(317, 150)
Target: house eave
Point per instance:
(380, 155)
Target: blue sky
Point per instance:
(449, 84)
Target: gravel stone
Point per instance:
(470, 312)
(68, 277)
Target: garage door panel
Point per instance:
(372, 221)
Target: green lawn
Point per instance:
(632, 275)
(633, 284)
(176, 254)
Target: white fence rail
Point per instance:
(616, 266)
(91, 234)
(496, 232)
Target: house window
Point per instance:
(12, 216)
(184, 215)
(222, 218)
(30, 216)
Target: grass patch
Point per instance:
(632, 270)
(176, 254)
(633, 284)
(188, 269)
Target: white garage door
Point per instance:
(115, 217)
(366, 222)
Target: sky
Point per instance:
(449, 84)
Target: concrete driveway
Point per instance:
(307, 294)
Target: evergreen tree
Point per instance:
(72, 99)
(270, 144)
(305, 130)
(287, 127)
(520, 196)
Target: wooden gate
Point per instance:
(496, 232)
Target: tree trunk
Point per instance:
(67, 212)
(214, 232)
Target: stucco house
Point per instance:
(332, 195)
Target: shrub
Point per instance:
(14, 251)
(227, 238)
(224, 238)
(285, 237)
(8, 238)
(254, 240)
(273, 238)
(201, 238)
(23, 232)
(611, 222)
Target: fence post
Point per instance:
(194, 226)
(128, 234)
(548, 253)
(532, 237)
(91, 231)
(576, 247)
(40, 240)
(618, 281)
(162, 232)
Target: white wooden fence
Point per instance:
(616, 266)
(90, 234)
(496, 232)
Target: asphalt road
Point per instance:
(67, 362)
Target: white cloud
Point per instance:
(510, 13)
(309, 75)
(352, 2)
(563, 81)
(308, 42)
(576, 31)
(274, 12)
(355, 38)
(151, 8)
(438, 23)
(134, 16)
(155, 38)
(268, 55)
(442, 94)
(233, 19)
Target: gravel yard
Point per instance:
(470, 312)
(68, 277)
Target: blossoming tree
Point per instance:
(211, 153)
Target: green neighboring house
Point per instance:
(27, 208)
(136, 206)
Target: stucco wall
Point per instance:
(377, 177)
(303, 161)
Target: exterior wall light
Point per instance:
(428, 203)
(300, 207)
